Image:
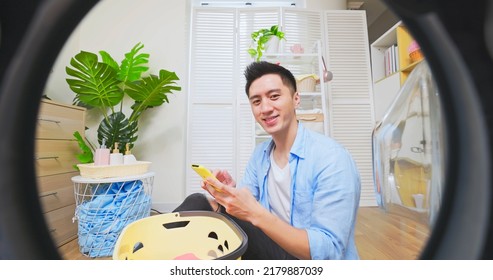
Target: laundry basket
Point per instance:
(105, 206)
(189, 235)
(306, 83)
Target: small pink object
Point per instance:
(413, 47)
(187, 256)
(297, 48)
(414, 51)
(102, 155)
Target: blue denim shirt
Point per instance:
(325, 191)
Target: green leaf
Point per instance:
(252, 52)
(151, 91)
(117, 128)
(94, 83)
(76, 101)
(107, 59)
(134, 64)
(86, 156)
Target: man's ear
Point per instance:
(296, 100)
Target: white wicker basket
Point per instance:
(306, 83)
(104, 207)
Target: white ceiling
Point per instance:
(373, 8)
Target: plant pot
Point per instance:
(272, 46)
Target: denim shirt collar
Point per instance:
(297, 150)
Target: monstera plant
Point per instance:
(105, 85)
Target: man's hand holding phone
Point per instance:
(204, 173)
(238, 202)
(221, 175)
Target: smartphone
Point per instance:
(203, 172)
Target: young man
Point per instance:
(300, 193)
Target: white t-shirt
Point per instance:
(279, 190)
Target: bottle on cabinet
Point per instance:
(102, 155)
(128, 158)
(116, 158)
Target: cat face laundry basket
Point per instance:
(188, 235)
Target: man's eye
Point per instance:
(256, 102)
(274, 96)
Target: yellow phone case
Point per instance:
(204, 173)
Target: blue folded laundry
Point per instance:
(110, 209)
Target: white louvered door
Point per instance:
(350, 91)
(220, 124)
(302, 27)
(212, 112)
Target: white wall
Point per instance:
(162, 26)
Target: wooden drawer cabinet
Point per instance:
(60, 224)
(55, 155)
(56, 191)
(59, 121)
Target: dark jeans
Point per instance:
(260, 246)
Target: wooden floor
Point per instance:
(384, 236)
(379, 236)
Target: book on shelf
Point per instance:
(396, 58)
(391, 60)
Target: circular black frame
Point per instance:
(454, 37)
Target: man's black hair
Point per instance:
(260, 68)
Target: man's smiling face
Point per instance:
(273, 105)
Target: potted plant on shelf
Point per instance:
(104, 84)
(262, 38)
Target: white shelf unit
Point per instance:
(386, 84)
(385, 87)
(313, 106)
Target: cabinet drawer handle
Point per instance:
(48, 194)
(52, 230)
(49, 157)
(48, 120)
